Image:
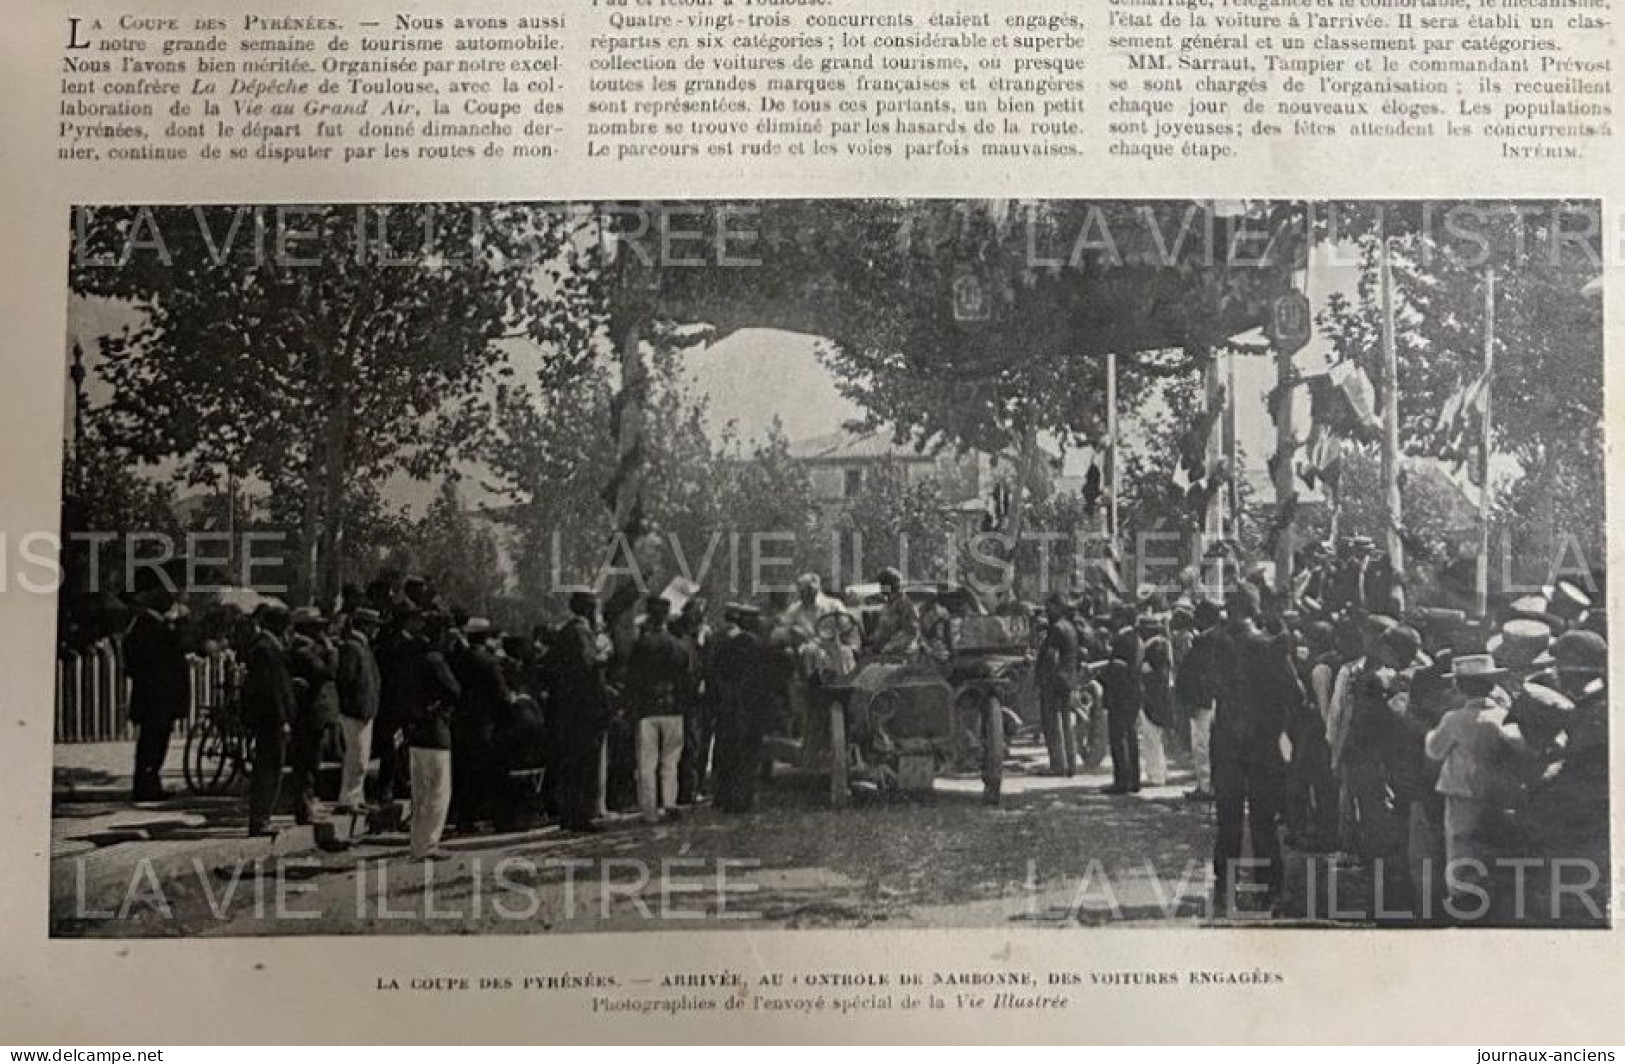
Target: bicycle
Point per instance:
(219, 745)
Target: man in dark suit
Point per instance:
(313, 661)
(268, 710)
(1258, 690)
(1123, 694)
(1057, 682)
(483, 705)
(160, 683)
(578, 713)
(740, 683)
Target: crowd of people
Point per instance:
(468, 719)
(1411, 745)
(1406, 742)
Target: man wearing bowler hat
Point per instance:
(160, 681)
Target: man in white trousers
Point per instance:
(433, 692)
(662, 678)
(1196, 684)
(358, 684)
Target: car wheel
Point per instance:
(837, 756)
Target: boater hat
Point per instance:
(1536, 608)
(740, 611)
(1540, 705)
(1567, 599)
(1520, 642)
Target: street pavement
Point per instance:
(1054, 853)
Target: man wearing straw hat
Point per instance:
(1472, 745)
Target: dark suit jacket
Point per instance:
(485, 690)
(1120, 683)
(268, 701)
(317, 665)
(661, 676)
(1058, 660)
(578, 701)
(155, 662)
(359, 680)
(1194, 680)
(1262, 689)
(740, 680)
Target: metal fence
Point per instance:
(92, 692)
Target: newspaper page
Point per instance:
(831, 520)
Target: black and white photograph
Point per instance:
(520, 567)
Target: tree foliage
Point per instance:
(317, 348)
(1547, 375)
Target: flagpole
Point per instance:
(1286, 485)
(1232, 492)
(1481, 591)
(1212, 523)
(1392, 507)
(1112, 528)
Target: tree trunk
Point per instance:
(628, 482)
(624, 493)
(1392, 512)
(335, 463)
(1018, 507)
(304, 587)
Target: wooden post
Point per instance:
(1392, 508)
(1232, 488)
(1025, 461)
(1212, 519)
(1481, 590)
(1113, 528)
(1286, 483)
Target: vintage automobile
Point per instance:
(896, 722)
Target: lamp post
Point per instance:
(77, 374)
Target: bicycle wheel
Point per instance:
(211, 764)
(194, 735)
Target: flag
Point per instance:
(1343, 402)
(1323, 457)
(1458, 430)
